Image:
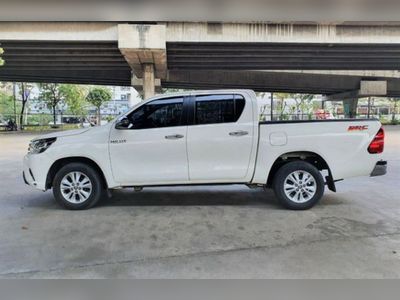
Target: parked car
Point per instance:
(3, 123)
(51, 123)
(8, 125)
(209, 137)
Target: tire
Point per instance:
(294, 187)
(79, 196)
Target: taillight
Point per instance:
(378, 143)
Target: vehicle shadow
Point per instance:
(184, 196)
(192, 196)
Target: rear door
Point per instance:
(220, 138)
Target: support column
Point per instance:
(148, 81)
(350, 108)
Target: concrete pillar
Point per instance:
(148, 81)
(350, 108)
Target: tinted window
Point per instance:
(158, 113)
(213, 109)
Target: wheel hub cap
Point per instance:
(76, 187)
(300, 186)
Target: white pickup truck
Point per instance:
(208, 137)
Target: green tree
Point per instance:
(52, 94)
(6, 104)
(394, 102)
(303, 103)
(281, 103)
(74, 96)
(24, 90)
(97, 96)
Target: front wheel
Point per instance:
(77, 186)
(298, 185)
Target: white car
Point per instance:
(208, 137)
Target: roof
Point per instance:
(202, 92)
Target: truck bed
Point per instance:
(342, 143)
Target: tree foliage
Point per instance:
(7, 105)
(97, 96)
(281, 104)
(395, 105)
(303, 103)
(52, 94)
(74, 97)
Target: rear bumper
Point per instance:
(380, 168)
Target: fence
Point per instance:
(326, 116)
(45, 122)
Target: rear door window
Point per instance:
(214, 109)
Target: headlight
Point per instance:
(41, 145)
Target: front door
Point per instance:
(152, 148)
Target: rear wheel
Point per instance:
(77, 186)
(298, 185)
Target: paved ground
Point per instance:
(202, 232)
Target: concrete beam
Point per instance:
(261, 32)
(262, 81)
(59, 31)
(343, 96)
(367, 88)
(360, 73)
(281, 33)
(373, 88)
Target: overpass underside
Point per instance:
(262, 57)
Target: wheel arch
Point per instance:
(308, 156)
(58, 164)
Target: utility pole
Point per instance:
(15, 100)
(272, 106)
(369, 106)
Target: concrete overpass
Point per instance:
(263, 56)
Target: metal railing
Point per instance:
(45, 121)
(292, 117)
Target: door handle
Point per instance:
(174, 137)
(238, 133)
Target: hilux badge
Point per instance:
(118, 141)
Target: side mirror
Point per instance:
(123, 123)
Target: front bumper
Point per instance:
(380, 169)
(35, 169)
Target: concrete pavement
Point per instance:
(200, 232)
